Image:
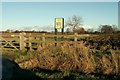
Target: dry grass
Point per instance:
(69, 57)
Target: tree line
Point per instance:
(74, 25)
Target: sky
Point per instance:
(59, 0)
(41, 15)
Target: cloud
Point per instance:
(47, 28)
(86, 27)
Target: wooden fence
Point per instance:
(23, 41)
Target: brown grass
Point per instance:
(76, 58)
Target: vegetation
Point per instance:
(108, 28)
(94, 58)
(74, 23)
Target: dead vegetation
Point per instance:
(90, 56)
(74, 58)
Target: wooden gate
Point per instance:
(22, 41)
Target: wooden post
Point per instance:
(30, 44)
(55, 37)
(62, 31)
(22, 39)
(43, 39)
(75, 39)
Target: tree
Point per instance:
(9, 30)
(80, 30)
(74, 23)
(106, 29)
(90, 30)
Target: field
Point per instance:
(95, 58)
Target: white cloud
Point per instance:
(87, 27)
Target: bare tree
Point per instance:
(74, 23)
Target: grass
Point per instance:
(78, 58)
(70, 61)
(66, 75)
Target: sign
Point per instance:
(59, 23)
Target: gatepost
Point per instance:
(22, 41)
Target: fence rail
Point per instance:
(22, 41)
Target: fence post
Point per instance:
(22, 39)
(75, 38)
(43, 39)
(30, 39)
